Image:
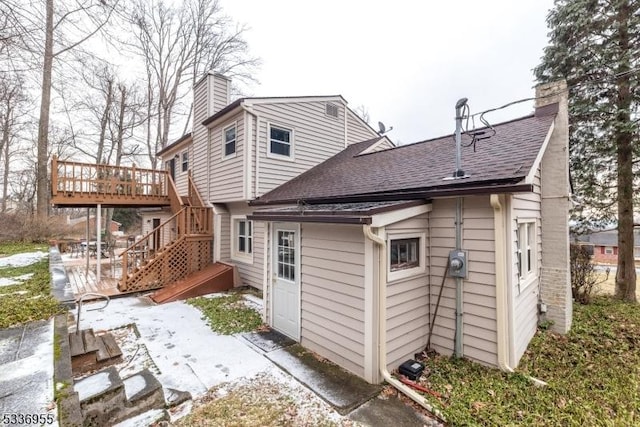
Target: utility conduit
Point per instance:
(382, 325)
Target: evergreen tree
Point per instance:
(594, 46)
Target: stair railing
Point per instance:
(81, 300)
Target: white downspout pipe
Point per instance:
(382, 325)
(258, 118)
(502, 300)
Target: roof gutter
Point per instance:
(502, 299)
(330, 219)
(382, 324)
(498, 188)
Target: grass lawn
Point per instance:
(31, 299)
(593, 376)
(228, 314)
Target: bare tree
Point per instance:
(177, 44)
(93, 17)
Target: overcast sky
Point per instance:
(407, 62)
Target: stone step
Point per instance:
(101, 396)
(106, 399)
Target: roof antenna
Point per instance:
(458, 172)
(383, 129)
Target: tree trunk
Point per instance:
(42, 178)
(626, 273)
(5, 181)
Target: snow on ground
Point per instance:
(20, 260)
(92, 385)
(4, 281)
(188, 355)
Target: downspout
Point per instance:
(382, 324)
(502, 299)
(258, 118)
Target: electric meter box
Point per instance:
(458, 263)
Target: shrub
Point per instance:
(583, 276)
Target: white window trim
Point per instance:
(408, 272)
(608, 250)
(223, 142)
(241, 256)
(182, 170)
(524, 281)
(271, 155)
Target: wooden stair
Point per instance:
(216, 277)
(90, 352)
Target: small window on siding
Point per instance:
(280, 141)
(229, 141)
(185, 161)
(331, 110)
(608, 250)
(405, 253)
(526, 253)
(242, 239)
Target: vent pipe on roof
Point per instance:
(459, 173)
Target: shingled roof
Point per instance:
(418, 170)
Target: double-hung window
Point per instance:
(280, 142)
(185, 161)
(526, 251)
(229, 135)
(242, 239)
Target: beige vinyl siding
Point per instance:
(408, 301)
(220, 92)
(525, 300)
(251, 273)
(332, 293)
(200, 135)
(479, 286)
(316, 137)
(181, 181)
(227, 174)
(224, 238)
(357, 129)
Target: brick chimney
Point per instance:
(555, 277)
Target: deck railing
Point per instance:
(190, 221)
(77, 179)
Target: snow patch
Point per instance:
(186, 354)
(134, 385)
(145, 419)
(92, 385)
(20, 260)
(8, 281)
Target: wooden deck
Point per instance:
(75, 184)
(83, 281)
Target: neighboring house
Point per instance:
(241, 150)
(353, 251)
(604, 245)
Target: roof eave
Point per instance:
(428, 193)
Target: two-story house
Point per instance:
(241, 150)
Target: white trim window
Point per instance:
(229, 141)
(608, 250)
(280, 142)
(526, 252)
(185, 160)
(241, 238)
(405, 255)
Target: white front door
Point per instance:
(286, 285)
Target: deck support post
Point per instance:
(98, 241)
